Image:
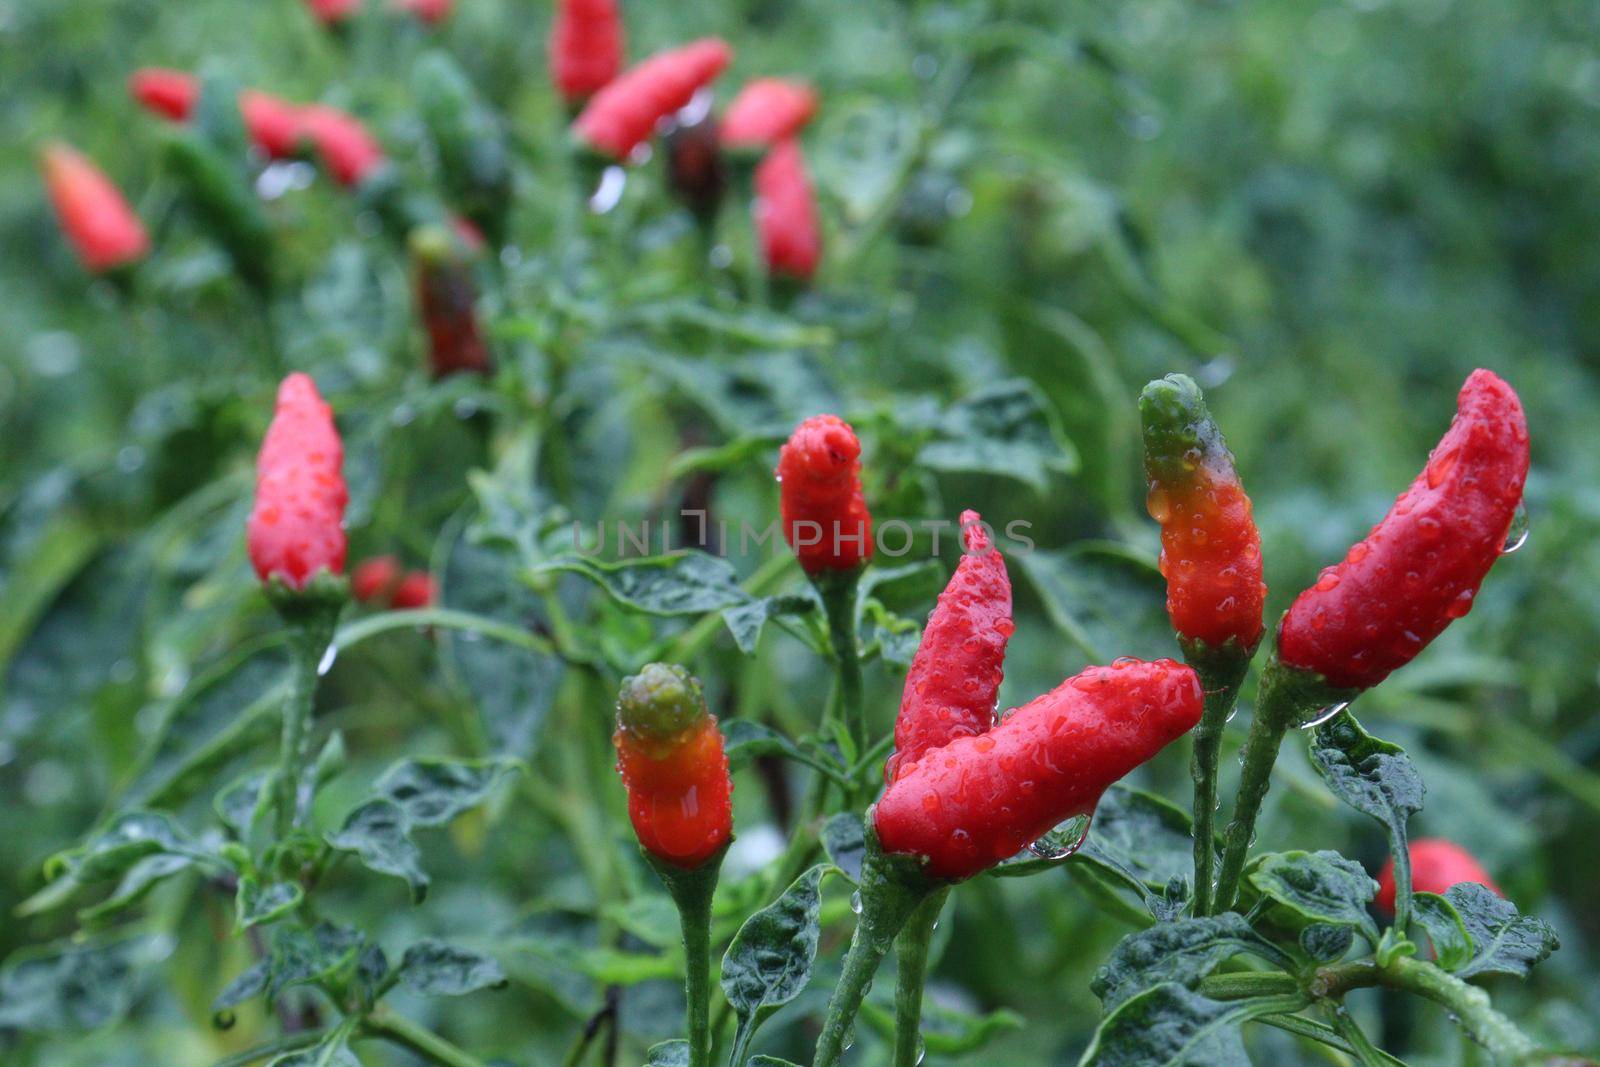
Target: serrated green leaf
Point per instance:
(433, 791)
(1318, 886)
(1182, 951)
(379, 832)
(769, 961)
(436, 969)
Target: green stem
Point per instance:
(1365, 1052)
(838, 591)
(310, 636)
(911, 952)
(418, 1038)
(445, 619)
(892, 887)
(1220, 676)
(1247, 984)
(692, 891)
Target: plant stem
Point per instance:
(310, 636)
(1401, 851)
(838, 591)
(911, 952)
(1220, 676)
(1247, 984)
(1366, 1054)
(692, 891)
(418, 1038)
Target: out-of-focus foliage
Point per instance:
(1327, 211)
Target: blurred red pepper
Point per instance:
(585, 47)
(333, 12)
(786, 214)
(1420, 568)
(670, 755)
(955, 676)
(273, 124)
(1436, 865)
(416, 590)
(169, 93)
(296, 530)
(766, 112)
(431, 12)
(92, 211)
(624, 114)
(447, 304)
(825, 517)
(977, 800)
(374, 579)
(348, 149)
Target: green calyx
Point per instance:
(1179, 434)
(661, 702)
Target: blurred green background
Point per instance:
(1327, 211)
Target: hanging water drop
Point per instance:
(855, 902)
(1323, 714)
(1517, 535)
(1063, 841)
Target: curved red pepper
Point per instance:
(978, 800)
(825, 517)
(348, 149)
(1420, 567)
(586, 45)
(670, 755)
(623, 114)
(767, 111)
(1436, 865)
(296, 530)
(786, 214)
(273, 124)
(169, 93)
(1210, 548)
(955, 676)
(92, 211)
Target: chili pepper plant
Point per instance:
(573, 581)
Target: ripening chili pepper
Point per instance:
(1436, 865)
(585, 46)
(825, 517)
(333, 12)
(980, 799)
(955, 676)
(1210, 549)
(447, 299)
(623, 114)
(373, 580)
(416, 590)
(766, 112)
(670, 755)
(347, 148)
(695, 170)
(786, 214)
(1420, 567)
(169, 93)
(431, 12)
(92, 211)
(296, 530)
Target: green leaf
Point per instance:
(945, 1031)
(1452, 942)
(1004, 429)
(1171, 1026)
(76, 986)
(436, 969)
(330, 1052)
(328, 953)
(1106, 598)
(433, 791)
(1326, 942)
(255, 904)
(769, 962)
(1503, 941)
(135, 885)
(1140, 838)
(1183, 951)
(745, 740)
(1318, 886)
(125, 841)
(1373, 776)
(241, 804)
(674, 1053)
(844, 838)
(651, 917)
(746, 621)
(250, 983)
(380, 833)
(682, 583)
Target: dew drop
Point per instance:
(609, 192)
(855, 902)
(1159, 505)
(1064, 840)
(1323, 714)
(328, 657)
(1517, 535)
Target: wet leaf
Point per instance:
(844, 838)
(436, 969)
(1318, 886)
(1182, 951)
(1371, 775)
(76, 986)
(746, 621)
(1171, 1026)
(255, 904)
(380, 833)
(769, 962)
(668, 1054)
(683, 583)
(1005, 429)
(1452, 942)
(433, 791)
(1503, 941)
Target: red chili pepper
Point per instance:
(1436, 865)
(670, 755)
(955, 676)
(171, 94)
(1210, 549)
(296, 530)
(623, 115)
(695, 168)
(586, 44)
(92, 211)
(447, 298)
(825, 517)
(416, 590)
(767, 111)
(980, 799)
(348, 149)
(431, 12)
(786, 214)
(333, 12)
(1420, 567)
(374, 579)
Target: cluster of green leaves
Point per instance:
(1327, 212)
